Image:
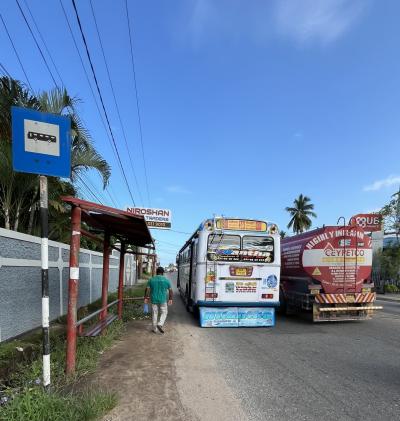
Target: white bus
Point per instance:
(229, 270)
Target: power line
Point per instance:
(16, 53)
(97, 191)
(44, 43)
(181, 232)
(101, 98)
(5, 71)
(137, 101)
(108, 188)
(89, 189)
(115, 100)
(88, 81)
(111, 198)
(166, 242)
(37, 44)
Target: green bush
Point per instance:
(392, 289)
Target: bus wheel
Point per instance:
(187, 299)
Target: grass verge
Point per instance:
(21, 395)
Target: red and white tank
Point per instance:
(337, 258)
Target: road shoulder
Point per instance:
(166, 377)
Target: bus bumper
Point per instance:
(213, 316)
(202, 303)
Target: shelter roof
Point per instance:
(132, 229)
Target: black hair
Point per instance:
(160, 270)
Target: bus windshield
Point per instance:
(218, 241)
(258, 243)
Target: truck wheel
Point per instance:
(282, 304)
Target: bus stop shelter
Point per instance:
(124, 228)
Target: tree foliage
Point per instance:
(391, 214)
(301, 213)
(389, 262)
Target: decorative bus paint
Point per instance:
(233, 263)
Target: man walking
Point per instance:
(157, 289)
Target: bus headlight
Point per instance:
(273, 229)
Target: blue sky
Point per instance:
(244, 104)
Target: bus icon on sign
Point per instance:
(42, 137)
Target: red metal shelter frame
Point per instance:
(129, 230)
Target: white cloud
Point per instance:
(392, 180)
(322, 21)
(177, 189)
(304, 21)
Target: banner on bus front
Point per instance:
(155, 218)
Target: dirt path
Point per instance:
(166, 377)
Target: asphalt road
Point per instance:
(298, 370)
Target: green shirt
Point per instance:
(159, 286)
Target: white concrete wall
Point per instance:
(20, 280)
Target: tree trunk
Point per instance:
(32, 211)
(7, 217)
(16, 222)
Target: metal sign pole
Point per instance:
(44, 219)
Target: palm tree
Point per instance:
(300, 214)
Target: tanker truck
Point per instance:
(327, 271)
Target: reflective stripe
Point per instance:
(45, 253)
(46, 370)
(45, 311)
(73, 273)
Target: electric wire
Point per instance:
(181, 232)
(101, 97)
(111, 198)
(89, 189)
(112, 194)
(95, 189)
(115, 101)
(137, 101)
(37, 44)
(92, 91)
(43, 41)
(16, 53)
(5, 71)
(166, 242)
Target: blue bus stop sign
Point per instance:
(41, 142)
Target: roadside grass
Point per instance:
(21, 396)
(34, 404)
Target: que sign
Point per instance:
(368, 221)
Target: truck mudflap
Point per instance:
(343, 312)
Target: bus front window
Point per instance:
(223, 242)
(258, 244)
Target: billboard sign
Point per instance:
(155, 218)
(369, 222)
